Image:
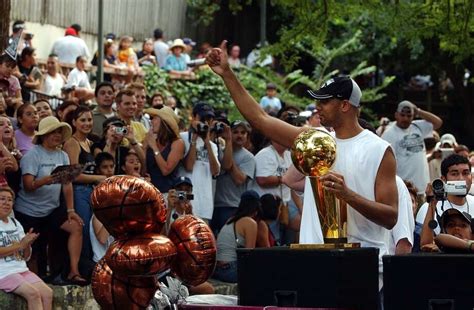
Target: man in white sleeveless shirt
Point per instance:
(364, 171)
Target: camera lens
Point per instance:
(437, 185)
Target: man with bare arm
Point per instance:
(364, 172)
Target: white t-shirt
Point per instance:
(98, 249)
(68, 48)
(78, 78)
(468, 207)
(10, 234)
(405, 222)
(410, 151)
(270, 163)
(201, 177)
(52, 85)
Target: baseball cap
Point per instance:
(110, 36)
(203, 110)
(406, 107)
(448, 138)
(189, 41)
(182, 180)
(250, 195)
(238, 123)
(455, 212)
(70, 32)
(342, 87)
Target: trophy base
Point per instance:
(327, 246)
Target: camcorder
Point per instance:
(196, 62)
(202, 128)
(121, 130)
(441, 189)
(184, 196)
(218, 128)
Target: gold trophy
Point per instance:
(313, 154)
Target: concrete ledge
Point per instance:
(68, 297)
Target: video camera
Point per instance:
(196, 62)
(441, 189)
(295, 119)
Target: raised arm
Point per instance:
(275, 129)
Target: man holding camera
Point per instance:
(407, 139)
(238, 167)
(200, 162)
(179, 200)
(448, 192)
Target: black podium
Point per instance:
(345, 278)
(429, 281)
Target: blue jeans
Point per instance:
(82, 195)
(227, 272)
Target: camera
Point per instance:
(441, 190)
(184, 196)
(295, 119)
(121, 130)
(202, 128)
(218, 127)
(196, 62)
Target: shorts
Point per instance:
(50, 222)
(15, 280)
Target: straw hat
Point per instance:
(50, 124)
(178, 43)
(167, 115)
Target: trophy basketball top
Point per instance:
(314, 152)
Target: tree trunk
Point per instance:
(5, 6)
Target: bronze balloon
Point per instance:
(196, 249)
(112, 291)
(128, 205)
(147, 254)
(314, 152)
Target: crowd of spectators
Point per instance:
(223, 172)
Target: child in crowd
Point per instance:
(105, 164)
(15, 249)
(270, 103)
(456, 233)
(126, 54)
(131, 165)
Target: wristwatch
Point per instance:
(156, 153)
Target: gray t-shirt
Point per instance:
(227, 192)
(40, 162)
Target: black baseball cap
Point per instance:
(114, 120)
(455, 212)
(182, 180)
(203, 110)
(342, 87)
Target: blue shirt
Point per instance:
(175, 63)
(270, 104)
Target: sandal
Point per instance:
(77, 279)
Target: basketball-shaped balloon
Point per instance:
(121, 292)
(128, 205)
(196, 249)
(147, 254)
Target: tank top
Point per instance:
(358, 160)
(227, 243)
(86, 159)
(160, 181)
